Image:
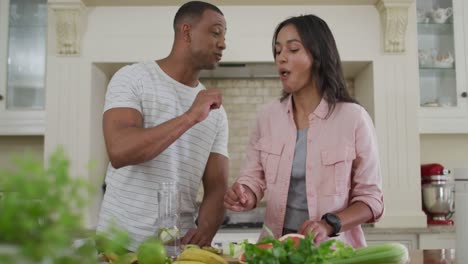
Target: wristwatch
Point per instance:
(334, 221)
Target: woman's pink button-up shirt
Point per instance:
(342, 164)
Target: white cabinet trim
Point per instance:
(22, 123)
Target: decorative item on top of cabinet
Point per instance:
(442, 56)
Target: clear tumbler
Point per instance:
(168, 220)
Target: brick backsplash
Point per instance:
(241, 100)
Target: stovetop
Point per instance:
(248, 219)
(242, 225)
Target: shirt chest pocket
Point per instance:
(336, 170)
(270, 156)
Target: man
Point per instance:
(161, 124)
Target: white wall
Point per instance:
(18, 146)
(450, 150)
(364, 89)
(123, 34)
(97, 154)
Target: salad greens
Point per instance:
(286, 252)
(273, 251)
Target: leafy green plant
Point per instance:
(41, 212)
(113, 242)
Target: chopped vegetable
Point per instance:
(168, 235)
(235, 249)
(394, 253)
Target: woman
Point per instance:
(315, 149)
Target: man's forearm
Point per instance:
(215, 178)
(212, 211)
(146, 143)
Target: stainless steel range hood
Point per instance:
(241, 70)
(268, 70)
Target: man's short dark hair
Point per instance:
(193, 11)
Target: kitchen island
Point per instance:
(430, 237)
(432, 256)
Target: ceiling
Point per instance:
(226, 2)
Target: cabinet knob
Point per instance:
(464, 95)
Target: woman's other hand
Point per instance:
(239, 198)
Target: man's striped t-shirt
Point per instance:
(131, 198)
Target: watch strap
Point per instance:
(334, 221)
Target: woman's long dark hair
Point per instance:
(327, 72)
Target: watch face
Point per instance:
(333, 218)
(333, 221)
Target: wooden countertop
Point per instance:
(432, 229)
(439, 256)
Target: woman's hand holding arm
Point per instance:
(239, 198)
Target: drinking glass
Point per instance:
(168, 217)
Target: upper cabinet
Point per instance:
(442, 43)
(23, 35)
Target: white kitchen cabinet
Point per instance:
(436, 241)
(443, 56)
(430, 238)
(23, 32)
(410, 240)
(224, 237)
(237, 235)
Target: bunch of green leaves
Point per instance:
(286, 252)
(41, 210)
(112, 242)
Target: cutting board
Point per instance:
(231, 260)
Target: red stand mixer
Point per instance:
(438, 194)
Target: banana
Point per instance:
(202, 256)
(128, 258)
(191, 246)
(213, 250)
(187, 262)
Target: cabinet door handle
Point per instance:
(1, 97)
(464, 94)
